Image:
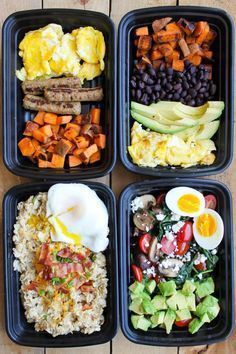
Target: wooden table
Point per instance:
(117, 180)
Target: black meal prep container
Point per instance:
(222, 326)
(17, 328)
(15, 116)
(223, 75)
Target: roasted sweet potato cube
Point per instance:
(167, 36)
(74, 161)
(44, 163)
(50, 118)
(95, 115)
(40, 136)
(47, 130)
(63, 147)
(30, 127)
(95, 157)
(100, 141)
(73, 126)
(39, 118)
(145, 43)
(64, 119)
(70, 134)
(165, 49)
(157, 25)
(178, 65)
(26, 147)
(57, 161)
(86, 154)
(81, 142)
(141, 31)
(155, 55)
(55, 128)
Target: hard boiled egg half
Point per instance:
(208, 229)
(185, 201)
(77, 216)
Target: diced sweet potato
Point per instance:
(63, 147)
(156, 64)
(141, 53)
(86, 154)
(26, 147)
(95, 157)
(58, 161)
(73, 126)
(208, 54)
(70, 134)
(97, 129)
(30, 127)
(100, 141)
(195, 59)
(95, 115)
(184, 47)
(165, 49)
(55, 128)
(144, 43)
(61, 131)
(64, 119)
(78, 151)
(194, 48)
(178, 65)
(39, 118)
(35, 144)
(203, 35)
(44, 163)
(51, 149)
(81, 142)
(155, 55)
(211, 35)
(47, 130)
(173, 44)
(190, 40)
(173, 27)
(167, 36)
(199, 28)
(40, 154)
(157, 25)
(174, 56)
(40, 136)
(50, 118)
(74, 161)
(141, 31)
(78, 119)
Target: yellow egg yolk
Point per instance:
(189, 203)
(206, 225)
(76, 238)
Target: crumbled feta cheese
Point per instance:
(151, 271)
(175, 217)
(201, 258)
(136, 204)
(160, 216)
(144, 272)
(159, 246)
(176, 227)
(200, 276)
(169, 236)
(176, 269)
(175, 243)
(214, 252)
(187, 257)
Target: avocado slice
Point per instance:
(167, 288)
(169, 320)
(195, 325)
(157, 318)
(155, 126)
(183, 314)
(150, 286)
(206, 287)
(216, 104)
(190, 111)
(159, 302)
(206, 131)
(210, 115)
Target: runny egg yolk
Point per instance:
(206, 225)
(76, 238)
(189, 203)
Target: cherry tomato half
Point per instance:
(183, 323)
(182, 248)
(185, 234)
(210, 201)
(167, 246)
(160, 199)
(137, 272)
(201, 266)
(157, 279)
(144, 242)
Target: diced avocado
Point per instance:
(136, 306)
(183, 315)
(206, 131)
(188, 287)
(191, 302)
(181, 300)
(210, 301)
(167, 288)
(205, 318)
(134, 320)
(195, 325)
(172, 302)
(206, 287)
(159, 302)
(142, 295)
(208, 306)
(201, 309)
(157, 318)
(148, 307)
(150, 286)
(213, 312)
(155, 126)
(143, 323)
(136, 287)
(169, 320)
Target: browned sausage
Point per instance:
(74, 94)
(37, 87)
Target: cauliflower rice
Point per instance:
(55, 307)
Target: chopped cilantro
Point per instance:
(58, 281)
(93, 257)
(63, 260)
(70, 284)
(41, 292)
(88, 274)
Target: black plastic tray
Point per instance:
(17, 328)
(15, 116)
(223, 75)
(221, 327)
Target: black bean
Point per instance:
(169, 86)
(158, 81)
(201, 67)
(202, 89)
(192, 69)
(134, 78)
(186, 85)
(194, 80)
(163, 74)
(133, 93)
(169, 77)
(187, 63)
(201, 75)
(204, 84)
(153, 97)
(152, 72)
(176, 96)
(179, 80)
(162, 67)
(182, 100)
(206, 94)
(207, 87)
(169, 96)
(141, 85)
(138, 94)
(188, 76)
(145, 77)
(198, 101)
(179, 91)
(157, 95)
(159, 74)
(201, 95)
(184, 93)
(157, 87)
(162, 95)
(213, 90)
(191, 103)
(179, 74)
(170, 71)
(148, 90)
(198, 86)
(133, 83)
(187, 98)
(177, 86)
(164, 81)
(150, 81)
(192, 92)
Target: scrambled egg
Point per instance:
(151, 149)
(48, 52)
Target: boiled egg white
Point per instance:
(185, 201)
(208, 229)
(78, 216)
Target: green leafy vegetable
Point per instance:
(184, 273)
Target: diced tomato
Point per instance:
(183, 323)
(160, 199)
(185, 234)
(182, 248)
(167, 246)
(157, 279)
(201, 266)
(137, 273)
(144, 242)
(210, 201)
